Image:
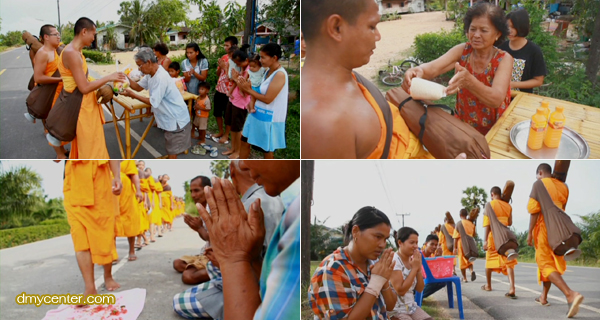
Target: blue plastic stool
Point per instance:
(454, 279)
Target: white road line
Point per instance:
(563, 300)
(18, 57)
(100, 280)
(136, 136)
(1, 72)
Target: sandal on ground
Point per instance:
(537, 300)
(574, 306)
(214, 153)
(206, 146)
(510, 295)
(484, 289)
(473, 276)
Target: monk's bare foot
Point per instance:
(111, 284)
(132, 257)
(227, 152)
(234, 156)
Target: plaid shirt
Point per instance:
(337, 285)
(280, 275)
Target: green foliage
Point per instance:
(164, 14)
(20, 196)
(110, 38)
(98, 56)
(11, 38)
(67, 33)
(135, 14)
(210, 27)
(18, 236)
(292, 122)
(456, 11)
(220, 168)
(283, 14)
(569, 82)
(432, 45)
(323, 241)
(475, 197)
(585, 13)
(590, 232)
(391, 16)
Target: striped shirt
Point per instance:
(280, 275)
(337, 285)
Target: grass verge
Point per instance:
(18, 236)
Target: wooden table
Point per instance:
(585, 120)
(131, 105)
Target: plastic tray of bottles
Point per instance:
(572, 145)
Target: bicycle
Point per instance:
(394, 75)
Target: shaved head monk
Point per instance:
(45, 64)
(550, 266)
(493, 260)
(89, 142)
(341, 118)
(91, 205)
(463, 261)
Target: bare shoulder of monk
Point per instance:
(71, 58)
(336, 122)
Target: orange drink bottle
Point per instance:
(546, 107)
(556, 123)
(536, 130)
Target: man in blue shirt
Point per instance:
(168, 106)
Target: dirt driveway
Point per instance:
(398, 36)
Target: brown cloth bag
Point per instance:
(469, 246)
(504, 238)
(62, 120)
(563, 234)
(443, 135)
(449, 240)
(39, 101)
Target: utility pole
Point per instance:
(58, 6)
(402, 214)
(306, 197)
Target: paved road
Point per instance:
(19, 139)
(493, 305)
(49, 267)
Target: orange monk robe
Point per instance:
(404, 144)
(51, 68)
(443, 240)
(144, 218)
(89, 142)
(470, 230)
(166, 206)
(130, 216)
(494, 261)
(544, 256)
(152, 196)
(157, 212)
(91, 208)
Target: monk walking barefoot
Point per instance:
(90, 203)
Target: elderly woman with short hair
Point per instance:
(168, 106)
(482, 71)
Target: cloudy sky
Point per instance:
(52, 173)
(31, 15)
(427, 189)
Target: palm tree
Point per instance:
(20, 196)
(110, 38)
(135, 14)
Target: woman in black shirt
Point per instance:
(529, 67)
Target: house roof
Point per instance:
(289, 30)
(113, 25)
(179, 30)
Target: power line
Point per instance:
(384, 184)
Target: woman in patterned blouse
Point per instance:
(482, 71)
(351, 283)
